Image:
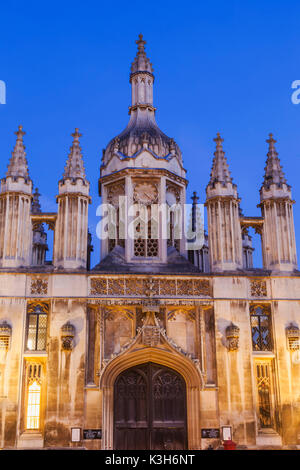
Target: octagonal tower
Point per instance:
(145, 165)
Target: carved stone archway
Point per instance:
(165, 357)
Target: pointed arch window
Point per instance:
(260, 318)
(33, 395)
(36, 337)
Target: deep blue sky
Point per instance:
(222, 66)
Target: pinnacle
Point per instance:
(141, 44)
(74, 166)
(273, 169)
(141, 62)
(220, 172)
(18, 163)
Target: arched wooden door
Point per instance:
(150, 409)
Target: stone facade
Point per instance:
(68, 333)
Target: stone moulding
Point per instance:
(149, 287)
(150, 303)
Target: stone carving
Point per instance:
(116, 144)
(134, 287)
(293, 337)
(202, 287)
(150, 335)
(191, 314)
(108, 314)
(175, 190)
(167, 287)
(145, 193)
(155, 335)
(116, 286)
(98, 286)
(67, 336)
(36, 306)
(150, 287)
(232, 336)
(258, 288)
(39, 286)
(184, 287)
(114, 191)
(111, 314)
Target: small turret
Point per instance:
(15, 205)
(222, 202)
(71, 229)
(278, 236)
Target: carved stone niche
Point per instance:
(293, 337)
(232, 336)
(5, 336)
(67, 336)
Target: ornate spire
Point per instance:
(35, 205)
(74, 167)
(141, 62)
(220, 172)
(273, 169)
(18, 163)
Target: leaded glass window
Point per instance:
(36, 329)
(33, 396)
(263, 375)
(260, 317)
(33, 406)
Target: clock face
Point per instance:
(145, 193)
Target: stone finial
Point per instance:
(35, 205)
(74, 167)
(18, 163)
(195, 198)
(141, 44)
(273, 169)
(141, 62)
(220, 172)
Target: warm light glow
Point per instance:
(33, 406)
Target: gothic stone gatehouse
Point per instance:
(153, 344)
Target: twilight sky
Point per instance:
(222, 66)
